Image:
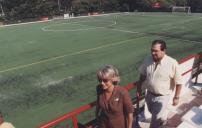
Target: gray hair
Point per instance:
(108, 72)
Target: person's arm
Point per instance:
(139, 84)
(177, 94)
(142, 71)
(178, 82)
(130, 120)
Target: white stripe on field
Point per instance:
(126, 31)
(46, 28)
(71, 54)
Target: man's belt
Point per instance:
(154, 94)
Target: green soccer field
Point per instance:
(48, 69)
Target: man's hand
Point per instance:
(177, 94)
(175, 101)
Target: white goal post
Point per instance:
(185, 9)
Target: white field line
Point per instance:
(148, 14)
(92, 49)
(173, 24)
(185, 40)
(69, 30)
(122, 13)
(113, 23)
(100, 15)
(9, 25)
(170, 24)
(46, 28)
(127, 31)
(71, 54)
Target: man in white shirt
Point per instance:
(4, 124)
(161, 75)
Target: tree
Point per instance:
(181, 2)
(1, 8)
(196, 5)
(23, 9)
(66, 5)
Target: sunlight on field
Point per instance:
(53, 64)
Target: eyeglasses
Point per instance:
(103, 80)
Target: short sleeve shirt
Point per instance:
(112, 113)
(161, 77)
(6, 125)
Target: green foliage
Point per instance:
(24, 9)
(196, 5)
(2, 19)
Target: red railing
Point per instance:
(73, 114)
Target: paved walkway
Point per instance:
(193, 97)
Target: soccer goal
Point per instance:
(181, 9)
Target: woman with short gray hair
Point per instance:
(114, 106)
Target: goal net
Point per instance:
(181, 9)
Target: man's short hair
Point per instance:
(161, 42)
